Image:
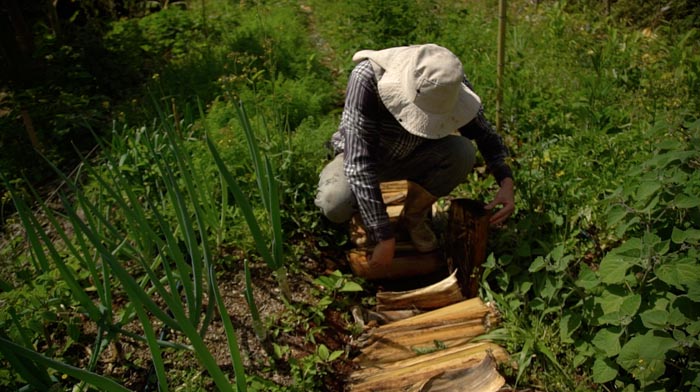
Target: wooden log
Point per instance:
(466, 314)
(358, 232)
(400, 345)
(443, 293)
(394, 186)
(415, 371)
(471, 309)
(483, 377)
(401, 266)
(363, 317)
(467, 236)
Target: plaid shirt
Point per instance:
(368, 132)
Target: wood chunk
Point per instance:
(400, 345)
(414, 372)
(443, 293)
(481, 378)
(401, 267)
(471, 309)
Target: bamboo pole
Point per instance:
(500, 63)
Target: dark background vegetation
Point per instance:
(65, 73)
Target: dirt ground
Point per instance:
(129, 363)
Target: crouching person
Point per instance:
(409, 114)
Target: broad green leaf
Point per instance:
(562, 263)
(608, 340)
(679, 273)
(647, 188)
(622, 229)
(351, 287)
(323, 352)
(654, 318)
(335, 355)
(616, 215)
(676, 317)
(604, 370)
(630, 305)
(525, 286)
(632, 247)
(686, 201)
(613, 268)
(567, 325)
(670, 144)
(584, 351)
(551, 287)
(579, 359)
(651, 205)
(587, 279)
(537, 264)
(611, 300)
(679, 236)
(694, 291)
(661, 247)
(687, 307)
(557, 253)
(694, 328)
(643, 356)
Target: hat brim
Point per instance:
(421, 123)
(390, 67)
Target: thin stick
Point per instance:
(500, 64)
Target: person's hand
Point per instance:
(383, 254)
(505, 198)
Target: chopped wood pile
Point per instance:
(427, 339)
(432, 350)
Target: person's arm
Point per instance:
(494, 151)
(360, 129)
(361, 140)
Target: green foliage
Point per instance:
(602, 257)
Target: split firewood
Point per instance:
(365, 317)
(483, 377)
(471, 309)
(401, 266)
(443, 293)
(401, 345)
(404, 374)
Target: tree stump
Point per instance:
(466, 239)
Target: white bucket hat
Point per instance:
(422, 87)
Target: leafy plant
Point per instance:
(183, 256)
(268, 245)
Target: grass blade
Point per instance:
(243, 204)
(35, 375)
(153, 345)
(257, 322)
(100, 382)
(234, 350)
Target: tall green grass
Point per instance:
(157, 252)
